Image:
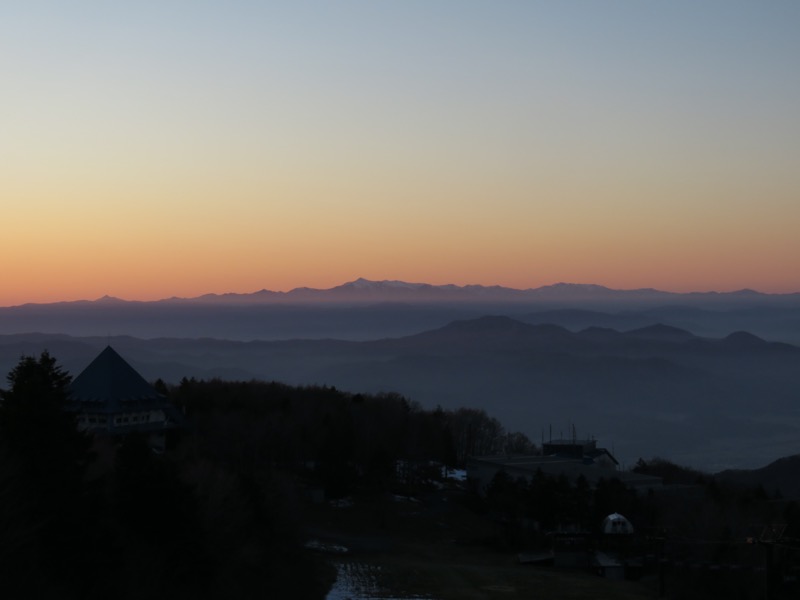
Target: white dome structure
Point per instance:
(616, 524)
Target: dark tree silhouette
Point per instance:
(46, 456)
(35, 428)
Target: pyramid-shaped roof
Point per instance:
(110, 381)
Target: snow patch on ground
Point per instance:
(323, 547)
(342, 503)
(359, 581)
(454, 474)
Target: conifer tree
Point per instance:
(34, 425)
(46, 455)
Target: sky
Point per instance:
(180, 147)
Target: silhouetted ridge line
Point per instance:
(369, 291)
(661, 331)
(779, 476)
(498, 325)
(743, 338)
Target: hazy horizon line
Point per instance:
(110, 297)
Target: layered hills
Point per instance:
(654, 390)
(368, 310)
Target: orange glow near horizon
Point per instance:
(149, 243)
(151, 276)
(256, 147)
(141, 244)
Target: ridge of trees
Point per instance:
(288, 425)
(220, 514)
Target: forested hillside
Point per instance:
(220, 514)
(229, 508)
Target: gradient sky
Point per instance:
(179, 147)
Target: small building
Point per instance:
(570, 458)
(111, 399)
(616, 524)
(584, 450)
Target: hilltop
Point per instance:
(709, 402)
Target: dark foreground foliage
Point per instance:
(223, 513)
(220, 514)
(695, 538)
(97, 518)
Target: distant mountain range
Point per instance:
(367, 291)
(365, 310)
(707, 379)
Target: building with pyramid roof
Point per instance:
(109, 398)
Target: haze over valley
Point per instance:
(708, 380)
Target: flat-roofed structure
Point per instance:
(569, 458)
